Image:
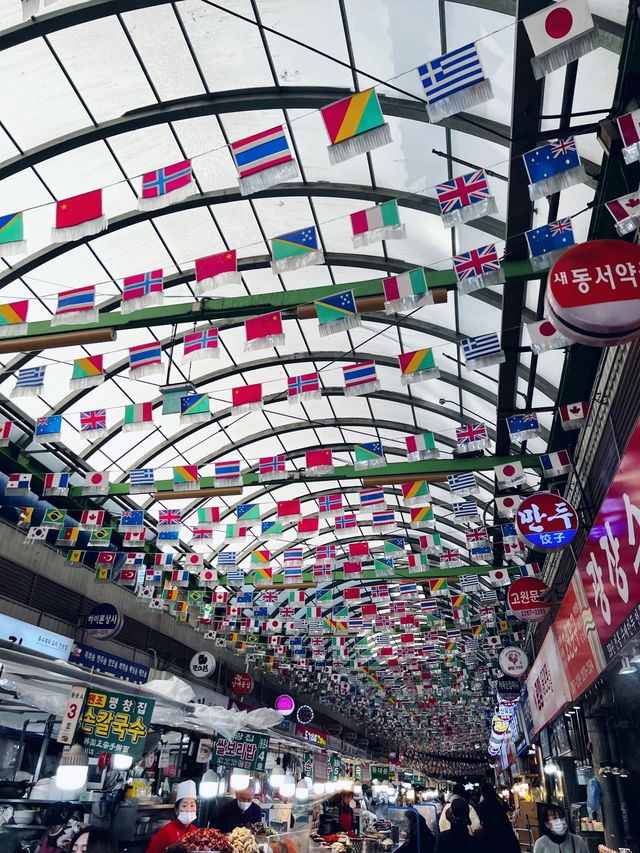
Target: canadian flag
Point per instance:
(574, 415)
(93, 518)
(133, 537)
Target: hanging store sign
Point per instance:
(241, 684)
(72, 713)
(524, 599)
(304, 714)
(380, 773)
(247, 751)
(610, 559)
(103, 622)
(310, 734)
(592, 294)
(546, 521)
(307, 762)
(547, 686)
(513, 661)
(101, 661)
(22, 634)
(577, 640)
(115, 722)
(202, 665)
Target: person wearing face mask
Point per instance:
(239, 812)
(176, 829)
(558, 838)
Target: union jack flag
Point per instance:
(476, 262)
(95, 419)
(560, 226)
(272, 464)
(463, 191)
(304, 384)
(269, 596)
(475, 537)
(449, 555)
(470, 434)
(329, 503)
(287, 612)
(560, 147)
(169, 517)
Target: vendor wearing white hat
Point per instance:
(176, 829)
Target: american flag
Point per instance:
(470, 434)
(476, 262)
(169, 517)
(94, 419)
(463, 191)
(307, 383)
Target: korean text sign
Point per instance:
(115, 722)
(247, 751)
(610, 561)
(578, 645)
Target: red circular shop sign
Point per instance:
(524, 599)
(546, 521)
(241, 684)
(593, 293)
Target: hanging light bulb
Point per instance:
(239, 779)
(302, 792)
(120, 761)
(346, 783)
(209, 785)
(277, 774)
(73, 769)
(257, 786)
(288, 785)
(331, 787)
(319, 788)
(551, 767)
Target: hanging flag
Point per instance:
(48, 429)
(93, 421)
(169, 518)
(185, 478)
(329, 505)
(226, 558)
(464, 484)
(271, 529)
(406, 291)
(79, 216)
(247, 398)
(53, 518)
(383, 521)
(465, 511)
(133, 520)
(530, 570)
(372, 498)
(194, 409)
(227, 473)
(100, 537)
(560, 34)
(29, 382)
(96, 483)
(545, 337)
(264, 332)
(422, 517)
(76, 306)
(165, 186)
(548, 242)
(92, 518)
(368, 455)
(263, 160)
(295, 249)
(308, 527)
(422, 446)
(510, 474)
(141, 480)
(133, 538)
(345, 522)
(75, 557)
(145, 360)
(304, 387)
(482, 351)
(454, 82)
(499, 577)
(289, 510)
(628, 125)
(318, 462)
(141, 291)
(12, 240)
(524, 426)
(355, 125)
(209, 515)
(326, 553)
(87, 372)
(13, 319)
(248, 512)
(138, 417)
(553, 167)
(271, 468)
(416, 493)
(358, 552)
(507, 506)
(417, 366)
(337, 313)
(56, 484)
(555, 464)
(360, 379)
(215, 271)
(465, 198)
(431, 543)
(471, 437)
(381, 222)
(574, 415)
(200, 346)
(625, 212)
(478, 268)
(439, 587)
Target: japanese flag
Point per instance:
(507, 506)
(500, 577)
(558, 24)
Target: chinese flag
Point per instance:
(286, 508)
(214, 265)
(369, 609)
(263, 327)
(318, 458)
(358, 549)
(78, 209)
(309, 525)
(247, 395)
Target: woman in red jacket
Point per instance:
(176, 829)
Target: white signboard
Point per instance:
(71, 715)
(547, 684)
(202, 664)
(36, 639)
(513, 661)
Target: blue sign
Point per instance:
(99, 661)
(103, 622)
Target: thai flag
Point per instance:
(261, 151)
(167, 179)
(359, 374)
(227, 470)
(144, 355)
(138, 286)
(371, 497)
(383, 517)
(77, 300)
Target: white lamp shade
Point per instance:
(120, 761)
(288, 785)
(73, 769)
(318, 788)
(239, 779)
(302, 792)
(209, 785)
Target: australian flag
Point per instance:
(553, 167)
(548, 241)
(523, 426)
(48, 427)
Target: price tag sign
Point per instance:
(247, 751)
(71, 716)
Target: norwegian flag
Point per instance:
(93, 420)
(169, 517)
(272, 468)
(325, 553)
(330, 504)
(304, 387)
(379, 592)
(142, 290)
(200, 345)
(346, 522)
(162, 187)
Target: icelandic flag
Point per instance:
(465, 198)
(48, 429)
(142, 290)
(145, 359)
(164, 186)
(454, 82)
(304, 387)
(548, 242)
(553, 167)
(482, 351)
(263, 159)
(76, 306)
(360, 378)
